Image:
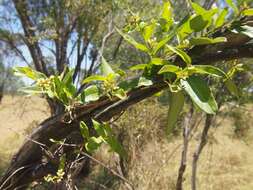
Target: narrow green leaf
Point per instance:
(84, 130)
(162, 43)
(206, 69)
(28, 72)
(169, 68)
(157, 61)
(32, 90)
(186, 58)
(248, 12)
(175, 107)
(94, 78)
(205, 40)
(221, 18)
(148, 31)
(130, 40)
(200, 94)
(167, 11)
(138, 67)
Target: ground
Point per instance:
(226, 162)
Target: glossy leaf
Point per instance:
(248, 12)
(169, 68)
(94, 78)
(138, 67)
(144, 82)
(221, 18)
(205, 40)
(148, 31)
(91, 93)
(200, 94)
(186, 58)
(28, 72)
(207, 69)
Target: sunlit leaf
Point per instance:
(186, 58)
(248, 12)
(205, 40)
(207, 69)
(138, 67)
(94, 78)
(221, 18)
(169, 68)
(200, 94)
(28, 72)
(91, 93)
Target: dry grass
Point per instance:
(226, 162)
(18, 115)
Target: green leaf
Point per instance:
(105, 68)
(91, 93)
(232, 88)
(99, 129)
(32, 90)
(144, 82)
(186, 58)
(84, 130)
(162, 43)
(157, 61)
(205, 40)
(169, 68)
(28, 72)
(94, 78)
(233, 6)
(167, 11)
(120, 93)
(206, 69)
(198, 9)
(176, 106)
(200, 94)
(198, 23)
(148, 31)
(130, 40)
(138, 67)
(93, 144)
(248, 12)
(221, 18)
